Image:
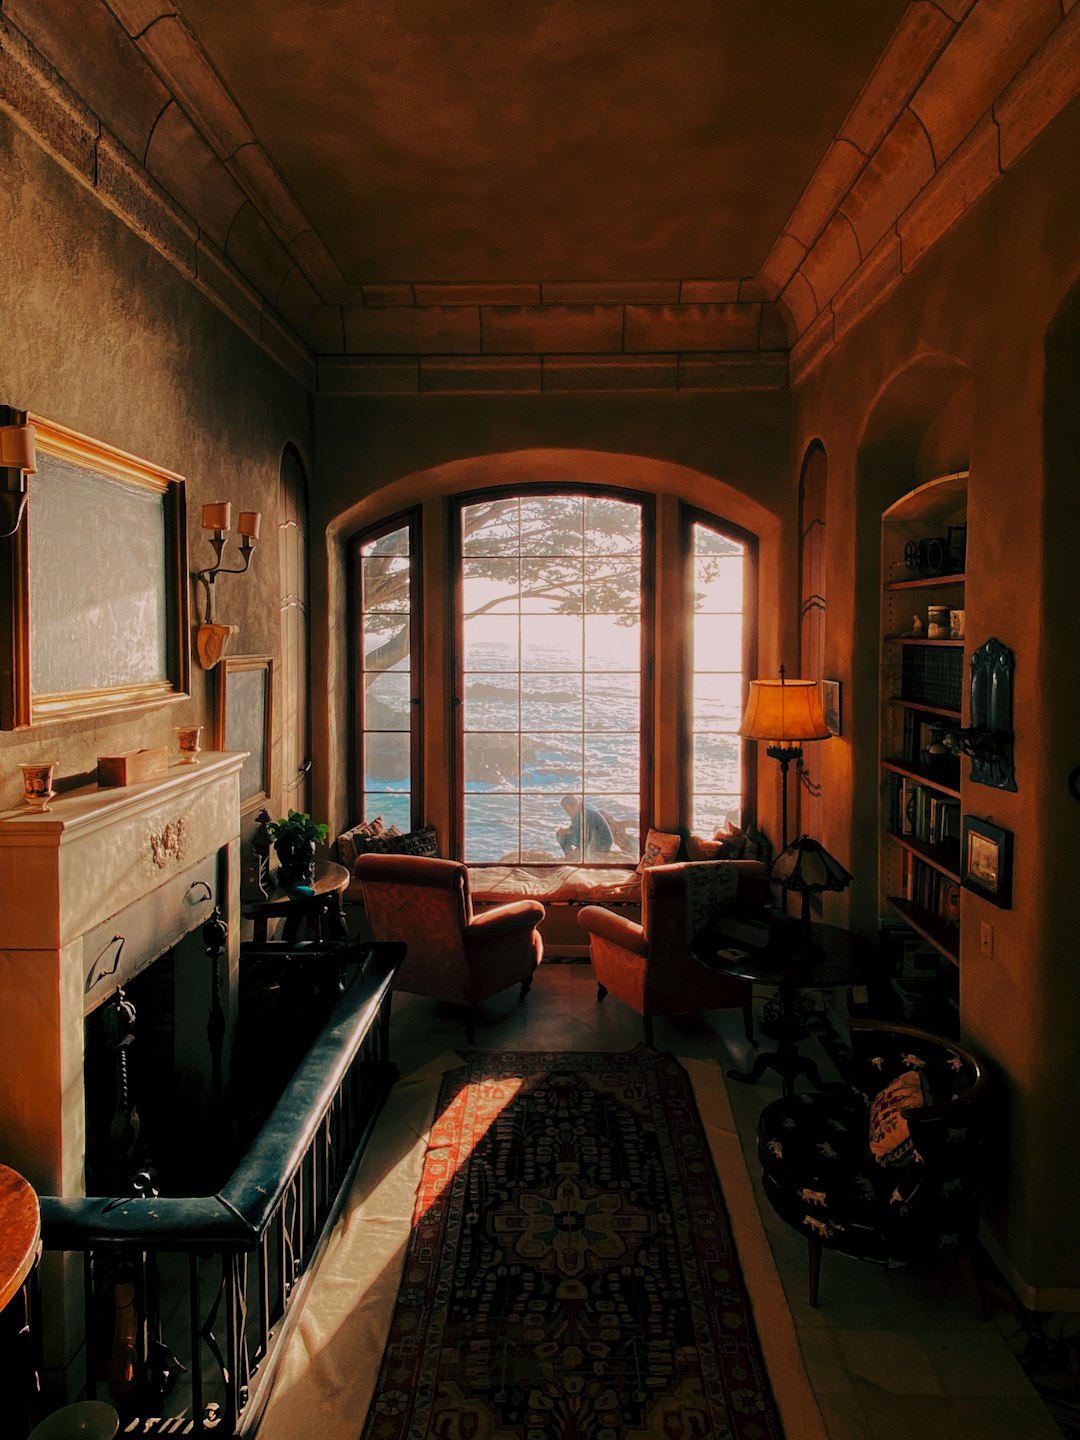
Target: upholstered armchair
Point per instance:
(889, 1169)
(648, 966)
(453, 955)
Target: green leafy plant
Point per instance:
(297, 825)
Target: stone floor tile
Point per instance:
(976, 1363)
(825, 1365)
(903, 1417)
(843, 1417)
(889, 1362)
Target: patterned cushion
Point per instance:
(890, 1139)
(660, 849)
(376, 838)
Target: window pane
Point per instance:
(551, 642)
(489, 585)
(386, 761)
(491, 761)
(394, 543)
(491, 642)
(490, 528)
(717, 702)
(386, 642)
(715, 812)
(386, 702)
(551, 524)
(611, 643)
(718, 642)
(393, 809)
(577, 677)
(612, 702)
(613, 589)
(718, 585)
(551, 586)
(491, 827)
(611, 527)
(551, 761)
(385, 582)
(491, 702)
(608, 761)
(716, 763)
(553, 702)
(625, 822)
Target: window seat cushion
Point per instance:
(554, 884)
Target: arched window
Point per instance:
(720, 571)
(385, 567)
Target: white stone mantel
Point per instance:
(99, 863)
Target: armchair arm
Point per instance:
(616, 929)
(488, 925)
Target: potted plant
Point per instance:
(295, 838)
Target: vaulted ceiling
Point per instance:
(435, 196)
(499, 141)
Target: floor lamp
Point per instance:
(786, 714)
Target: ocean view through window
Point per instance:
(387, 663)
(551, 641)
(717, 665)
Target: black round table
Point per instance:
(832, 956)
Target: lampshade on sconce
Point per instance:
(806, 866)
(786, 713)
(212, 638)
(18, 459)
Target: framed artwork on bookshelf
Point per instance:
(830, 705)
(986, 861)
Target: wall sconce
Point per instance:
(785, 713)
(988, 740)
(212, 638)
(17, 461)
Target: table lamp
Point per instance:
(786, 713)
(805, 865)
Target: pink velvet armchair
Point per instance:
(649, 966)
(453, 955)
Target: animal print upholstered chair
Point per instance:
(891, 1170)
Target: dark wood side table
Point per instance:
(834, 956)
(20, 1247)
(323, 911)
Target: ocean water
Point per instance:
(529, 740)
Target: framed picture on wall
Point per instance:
(243, 720)
(94, 618)
(986, 861)
(830, 705)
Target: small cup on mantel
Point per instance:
(189, 743)
(37, 783)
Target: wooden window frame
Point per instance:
(409, 520)
(646, 505)
(689, 516)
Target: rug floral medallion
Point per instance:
(570, 1273)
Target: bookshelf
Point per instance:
(923, 557)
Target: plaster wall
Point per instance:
(727, 454)
(103, 335)
(950, 369)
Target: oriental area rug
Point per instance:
(570, 1272)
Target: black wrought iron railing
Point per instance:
(227, 1269)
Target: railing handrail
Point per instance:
(236, 1218)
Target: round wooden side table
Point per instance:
(322, 909)
(20, 1247)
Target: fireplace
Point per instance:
(92, 891)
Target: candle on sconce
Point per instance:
(249, 523)
(217, 517)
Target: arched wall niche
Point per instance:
(917, 427)
(669, 482)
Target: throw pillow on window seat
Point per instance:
(661, 848)
(373, 837)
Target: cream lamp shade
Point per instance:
(785, 712)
